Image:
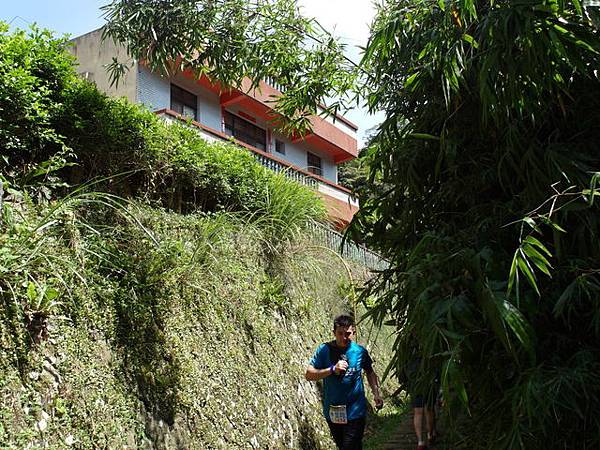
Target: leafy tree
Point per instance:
(355, 175)
(490, 145)
(35, 73)
(352, 174)
(228, 40)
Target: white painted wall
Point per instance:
(297, 154)
(154, 91)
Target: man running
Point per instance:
(339, 364)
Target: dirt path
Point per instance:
(404, 436)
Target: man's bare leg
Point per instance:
(418, 424)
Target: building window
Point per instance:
(314, 164)
(245, 131)
(184, 102)
(280, 146)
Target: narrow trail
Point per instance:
(403, 437)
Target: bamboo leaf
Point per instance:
(565, 297)
(424, 136)
(512, 276)
(519, 326)
(411, 80)
(525, 269)
(529, 221)
(471, 40)
(533, 241)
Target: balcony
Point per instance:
(333, 135)
(341, 205)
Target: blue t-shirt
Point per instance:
(344, 389)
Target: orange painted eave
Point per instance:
(325, 136)
(332, 135)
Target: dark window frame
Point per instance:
(279, 146)
(181, 98)
(314, 164)
(245, 131)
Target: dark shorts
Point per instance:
(348, 436)
(423, 394)
(422, 401)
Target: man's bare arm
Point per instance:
(313, 374)
(374, 384)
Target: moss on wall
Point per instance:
(178, 332)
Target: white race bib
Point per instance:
(337, 414)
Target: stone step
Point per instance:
(403, 438)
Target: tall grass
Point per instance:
(287, 209)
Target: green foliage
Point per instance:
(286, 209)
(158, 313)
(128, 150)
(385, 426)
(122, 322)
(489, 148)
(233, 39)
(353, 174)
(34, 72)
(356, 175)
(139, 155)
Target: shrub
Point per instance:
(49, 118)
(35, 71)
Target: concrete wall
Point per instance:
(92, 55)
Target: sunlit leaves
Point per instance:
(228, 40)
(530, 254)
(593, 191)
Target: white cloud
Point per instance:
(348, 19)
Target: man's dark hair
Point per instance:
(343, 320)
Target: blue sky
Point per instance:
(76, 17)
(63, 16)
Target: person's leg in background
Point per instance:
(430, 419)
(418, 404)
(430, 422)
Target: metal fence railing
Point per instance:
(348, 249)
(289, 172)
